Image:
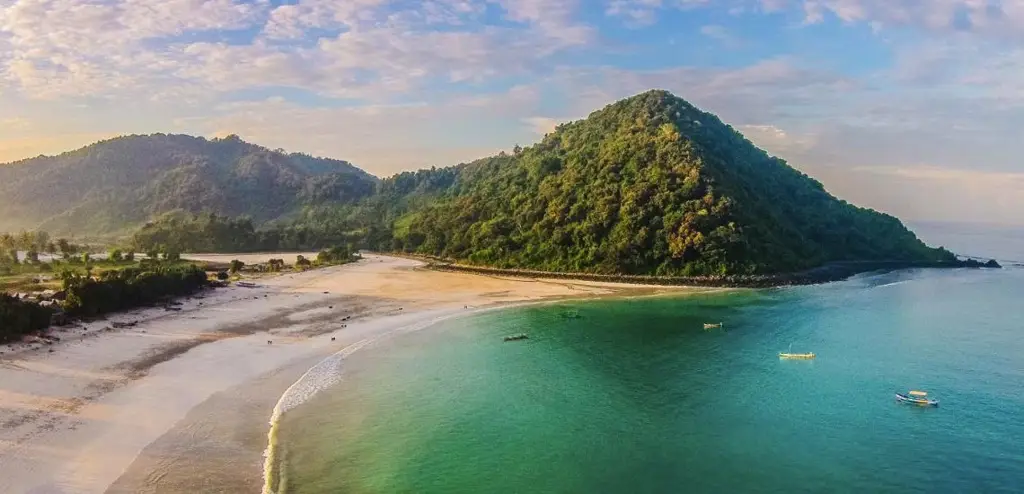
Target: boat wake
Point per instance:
(894, 283)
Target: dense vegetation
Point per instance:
(130, 287)
(120, 183)
(19, 317)
(648, 185)
(208, 232)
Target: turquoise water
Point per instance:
(635, 396)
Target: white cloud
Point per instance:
(542, 125)
(349, 48)
(720, 34)
(777, 141)
(293, 20)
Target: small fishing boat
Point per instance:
(572, 314)
(796, 356)
(791, 356)
(517, 337)
(709, 325)
(919, 398)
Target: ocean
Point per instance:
(635, 396)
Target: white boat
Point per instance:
(709, 325)
(919, 398)
(789, 355)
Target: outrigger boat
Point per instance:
(708, 325)
(919, 398)
(800, 356)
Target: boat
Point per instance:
(801, 356)
(572, 314)
(245, 284)
(709, 325)
(795, 356)
(919, 398)
(516, 337)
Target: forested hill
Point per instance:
(647, 185)
(120, 183)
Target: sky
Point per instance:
(913, 107)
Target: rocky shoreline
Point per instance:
(827, 273)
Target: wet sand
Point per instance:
(180, 402)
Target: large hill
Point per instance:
(647, 185)
(119, 183)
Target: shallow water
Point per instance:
(634, 396)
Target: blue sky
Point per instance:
(909, 106)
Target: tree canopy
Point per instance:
(648, 185)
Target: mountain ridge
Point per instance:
(649, 185)
(125, 181)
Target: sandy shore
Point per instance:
(180, 401)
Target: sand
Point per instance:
(180, 401)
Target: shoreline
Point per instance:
(92, 412)
(827, 273)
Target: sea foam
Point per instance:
(321, 376)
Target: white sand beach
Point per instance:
(130, 409)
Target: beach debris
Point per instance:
(121, 325)
(330, 306)
(172, 309)
(325, 293)
(333, 338)
(517, 337)
(270, 342)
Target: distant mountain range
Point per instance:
(118, 184)
(647, 185)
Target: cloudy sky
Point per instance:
(915, 107)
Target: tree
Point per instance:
(236, 266)
(129, 256)
(115, 255)
(302, 263)
(26, 240)
(67, 249)
(171, 254)
(32, 257)
(86, 259)
(41, 240)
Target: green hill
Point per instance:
(120, 183)
(648, 185)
